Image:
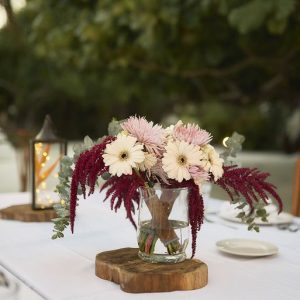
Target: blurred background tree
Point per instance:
(227, 64)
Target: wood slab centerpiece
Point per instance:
(124, 267)
(25, 213)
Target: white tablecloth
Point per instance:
(64, 268)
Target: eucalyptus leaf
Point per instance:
(241, 214)
(105, 176)
(233, 145)
(251, 226)
(249, 220)
(114, 127)
(66, 161)
(88, 142)
(261, 212)
(256, 228)
(241, 206)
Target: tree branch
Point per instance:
(251, 60)
(272, 83)
(204, 72)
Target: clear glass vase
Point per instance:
(163, 224)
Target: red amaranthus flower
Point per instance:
(124, 189)
(88, 168)
(248, 183)
(195, 209)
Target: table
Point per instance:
(64, 269)
(24, 291)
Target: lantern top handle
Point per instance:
(48, 131)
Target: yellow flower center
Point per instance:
(124, 155)
(182, 160)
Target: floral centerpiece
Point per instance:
(141, 158)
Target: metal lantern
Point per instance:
(46, 151)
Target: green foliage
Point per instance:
(249, 217)
(114, 127)
(233, 145)
(254, 14)
(63, 188)
(227, 64)
(258, 212)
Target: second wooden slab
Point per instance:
(124, 267)
(25, 213)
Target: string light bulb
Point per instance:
(224, 141)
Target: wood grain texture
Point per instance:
(124, 267)
(25, 213)
(296, 190)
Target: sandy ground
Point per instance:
(281, 167)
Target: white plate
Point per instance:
(229, 213)
(247, 247)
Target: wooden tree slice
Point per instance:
(124, 267)
(25, 213)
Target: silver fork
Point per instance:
(291, 227)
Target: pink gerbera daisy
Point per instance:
(145, 132)
(192, 134)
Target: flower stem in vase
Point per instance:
(160, 227)
(147, 240)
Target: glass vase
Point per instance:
(163, 224)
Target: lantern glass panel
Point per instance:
(46, 164)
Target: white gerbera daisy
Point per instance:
(211, 161)
(149, 161)
(169, 132)
(177, 159)
(122, 155)
(217, 169)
